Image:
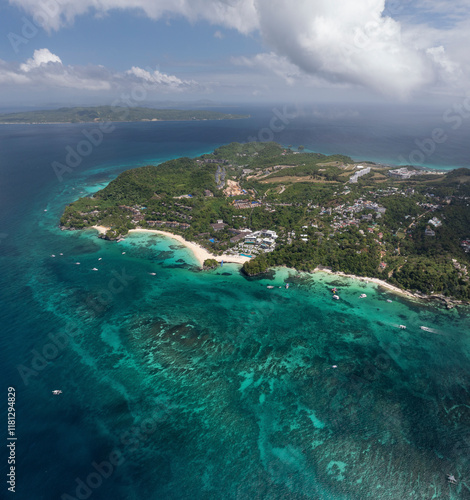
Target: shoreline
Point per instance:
(376, 281)
(124, 121)
(449, 302)
(199, 252)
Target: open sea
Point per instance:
(181, 384)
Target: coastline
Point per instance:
(449, 302)
(200, 253)
(377, 281)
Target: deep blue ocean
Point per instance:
(179, 384)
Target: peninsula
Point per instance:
(113, 114)
(282, 206)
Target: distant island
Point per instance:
(112, 114)
(407, 227)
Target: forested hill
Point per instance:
(113, 114)
(409, 227)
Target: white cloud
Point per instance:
(46, 70)
(238, 14)
(40, 57)
(218, 34)
(271, 62)
(335, 41)
(160, 79)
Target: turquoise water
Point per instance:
(182, 384)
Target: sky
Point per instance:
(97, 51)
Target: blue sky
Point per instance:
(233, 50)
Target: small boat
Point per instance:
(94, 269)
(153, 274)
(334, 366)
(61, 253)
(52, 255)
(77, 263)
(270, 286)
(451, 479)
(403, 327)
(56, 392)
(362, 296)
(388, 300)
(335, 297)
(123, 253)
(333, 290)
(287, 285)
(426, 328)
(100, 258)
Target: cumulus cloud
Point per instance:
(386, 47)
(46, 69)
(40, 57)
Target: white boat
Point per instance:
(403, 327)
(153, 274)
(426, 328)
(100, 258)
(388, 300)
(123, 253)
(451, 479)
(362, 296)
(94, 269)
(270, 286)
(52, 255)
(56, 392)
(77, 263)
(335, 297)
(61, 253)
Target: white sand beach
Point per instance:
(199, 252)
(377, 281)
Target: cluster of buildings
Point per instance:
(360, 172)
(402, 173)
(435, 222)
(173, 224)
(244, 204)
(254, 242)
(465, 244)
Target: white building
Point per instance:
(353, 179)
